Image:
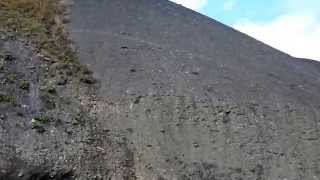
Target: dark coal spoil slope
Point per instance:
(197, 99)
(156, 91)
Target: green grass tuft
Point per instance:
(7, 99)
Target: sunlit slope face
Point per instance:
(161, 35)
(196, 99)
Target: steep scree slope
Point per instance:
(199, 100)
(178, 96)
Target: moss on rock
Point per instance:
(24, 85)
(7, 99)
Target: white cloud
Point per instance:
(296, 31)
(192, 4)
(295, 34)
(301, 6)
(229, 5)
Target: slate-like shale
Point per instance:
(167, 94)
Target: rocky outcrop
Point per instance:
(48, 130)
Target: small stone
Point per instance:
(87, 79)
(100, 148)
(69, 131)
(149, 166)
(137, 100)
(41, 130)
(196, 145)
(31, 67)
(130, 130)
(163, 131)
(228, 111)
(20, 114)
(87, 71)
(46, 59)
(62, 80)
(195, 73)
(106, 130)
(51, 90)
(21, 174)
(2, 117)
(8, 57)
(2, 37)
(133, 70)
(24, 85)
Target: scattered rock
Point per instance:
(137, 100)
(79, 119)
(8, 57)
(133, 70)
(24, 85)
(61, 80)
(69, 131)
(2, 117)
(195, 73)
(49, 89)
(163, 131)
(20, 114)
(196, 145)
(88, 79)
(21, 174)
(130, 130)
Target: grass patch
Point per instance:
(38, 20)
(40, 122)
(28, 16)
(7, 99)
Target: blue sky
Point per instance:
(293, 26)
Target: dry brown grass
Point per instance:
(38, 21)
(42, 10)
(23, 13)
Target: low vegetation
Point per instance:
(41, 21)
(55, 69)
(7, 99)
